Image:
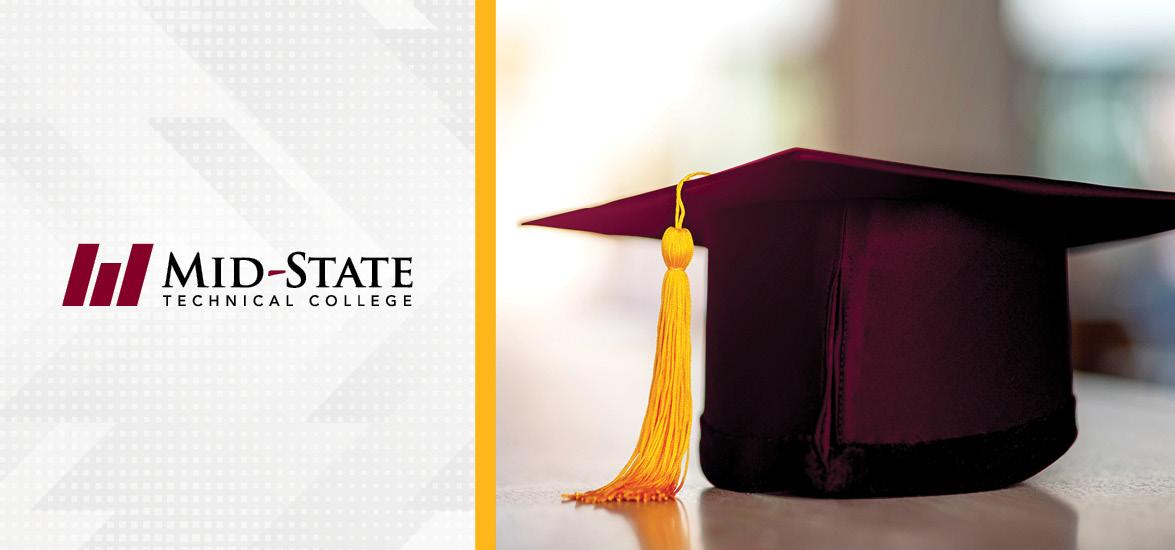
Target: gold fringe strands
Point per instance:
(656, 469)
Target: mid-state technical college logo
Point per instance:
(83, 268)
(329, 281)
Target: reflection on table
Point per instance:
(1114, 489)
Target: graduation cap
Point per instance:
(873, 328)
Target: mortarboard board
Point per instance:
(873, 328)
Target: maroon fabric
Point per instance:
(965, 308)
(868, 320)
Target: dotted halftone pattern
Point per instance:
(256, 127)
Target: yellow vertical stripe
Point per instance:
(485, 286)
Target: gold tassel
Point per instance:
(656, 469)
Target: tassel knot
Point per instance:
(677, 247)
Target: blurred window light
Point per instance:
(600, 99)
(1093, 33)
(796, 26)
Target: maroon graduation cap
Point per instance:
(873, 328)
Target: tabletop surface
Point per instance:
(1114, 489)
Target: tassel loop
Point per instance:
(679, 206)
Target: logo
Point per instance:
(83, 268)
(237, 281)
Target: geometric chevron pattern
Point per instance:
(338, 127)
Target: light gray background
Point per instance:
(331, 126)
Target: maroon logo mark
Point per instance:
(83, 267)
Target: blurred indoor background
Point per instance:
(596, 103)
